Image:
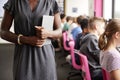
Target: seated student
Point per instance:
(69, 20)
(89, 46)
(76, 30)
(66, 27)
(63, 19)
(72, 26)
(109, 42)
(84, 27)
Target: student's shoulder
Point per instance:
(112, 54)
(89, 36)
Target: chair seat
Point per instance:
(84, 67)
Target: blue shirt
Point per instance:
(76, 31)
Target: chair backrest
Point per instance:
(105, 75)
(85, 66)
(74, 64)
(64, 36)
(83, 62)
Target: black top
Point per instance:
(89, 47)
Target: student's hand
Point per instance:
(41, 32)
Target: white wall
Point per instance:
(82, 7)
(91, 7)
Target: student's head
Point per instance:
(69, 19)
(84, 25)
(96, 24)
(79, 19)
(74, 19)
(111, 35)
(63, 17)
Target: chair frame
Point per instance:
(64, 35)
(106, 75)
(65, 47)
(84, 66)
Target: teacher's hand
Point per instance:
(35, 41)
(42, 32)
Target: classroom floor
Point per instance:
(6, 57)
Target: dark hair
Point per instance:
(112, 27)
(62, 16)
(69, 18)
(84, 23)
(79, 19)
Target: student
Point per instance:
(66, 27)
(76, 30)
(109, 42)
(63, 19)
(84, 27)
(69, 20)
(89, 46)
(32, 59)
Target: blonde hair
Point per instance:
(95, 21)
(112, 27)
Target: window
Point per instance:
(116, 9)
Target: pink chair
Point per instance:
(65, 46)
(72, 51)
(83, 61)
(65, 41)
(105, 74)
(64, 36)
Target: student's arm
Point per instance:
(113, 64)
(93, 47)
(115, 74)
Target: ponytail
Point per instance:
(106, 39)
(103, 41)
